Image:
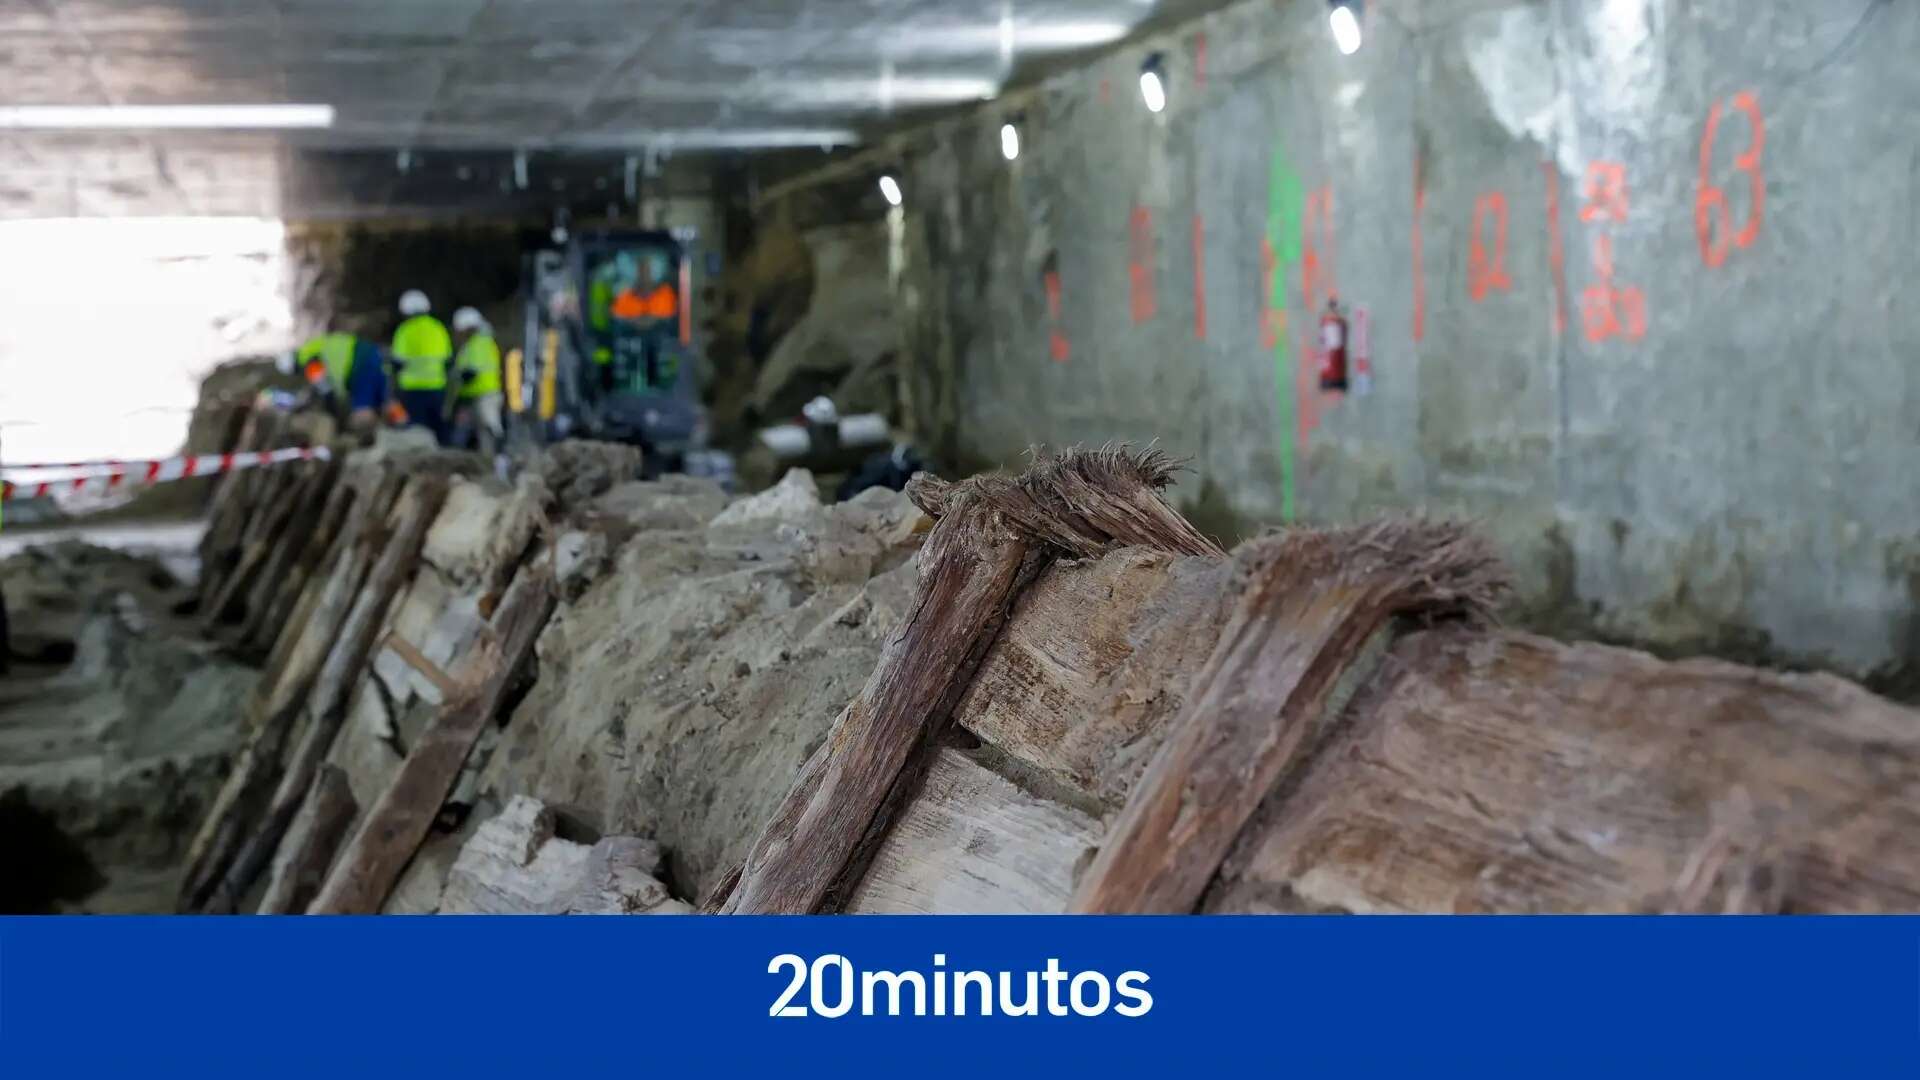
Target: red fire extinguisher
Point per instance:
(1333, 347)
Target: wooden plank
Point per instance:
(275, 705)
(974, 843)
(220, 506)
(1093, 666)
(969, 570)
(312, 839)
(993, 535)
(1308, 603)
(393, 830)
(269, 529)
(237, 504)
(339, 673)
(282, 584)
(1504, 772)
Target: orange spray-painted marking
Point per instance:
(1144, 305)
(1606, 192)
(1712, 220)
(1199, 278)
(1318, 285)
(1057, 346)
(1608, 310)
(1486, 273)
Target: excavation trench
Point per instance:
(1043, 692)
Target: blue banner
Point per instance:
(986, 997)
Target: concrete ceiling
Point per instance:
(463, 84)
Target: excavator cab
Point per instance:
(609, 351)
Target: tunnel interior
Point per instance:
(1614, 285)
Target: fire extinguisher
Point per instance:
(1333, 347)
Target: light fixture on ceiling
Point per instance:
(890, 188)
(158, 117)
(1009, 140)
(1345, 20)
(1153, 85)
(714, 138)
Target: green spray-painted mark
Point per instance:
(1286, 203)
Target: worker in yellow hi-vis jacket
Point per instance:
(421, 349)
(478, 369)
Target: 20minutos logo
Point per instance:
(829, 987)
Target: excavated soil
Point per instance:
(116, 727)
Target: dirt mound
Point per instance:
(111, 753)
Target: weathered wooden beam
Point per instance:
(994, 534)
(270, 529)
(285, 580)
(327, 704)
(387, 839)
(220, 505)
(236, 505)
(275, 705)
(312, 839)
(1309, 600)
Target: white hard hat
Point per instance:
(414, 302)
(469, 319)
(286, 362)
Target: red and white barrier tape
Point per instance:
(107, 475)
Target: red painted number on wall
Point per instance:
(1057, 346)
(1273, 320)
(1608, 310)
(1485, 272)
(1140, 264)
(1316, 247)
(1712, 219)
(1199, 277)
(1606, 192)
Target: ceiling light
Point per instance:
(892, 89)
(1009, 141)
(986, 37)
(891, 189)
(153, 117)
(1152, 88)
(1346, 29)
(717, 138)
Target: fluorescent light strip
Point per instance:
(708, 139)
(158, 117)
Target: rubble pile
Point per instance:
(580, 692)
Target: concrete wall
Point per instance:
(1732, 467)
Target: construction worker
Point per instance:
(478, 368)
(346, 370)
(421, 349)
(652, 299)
(647, 309)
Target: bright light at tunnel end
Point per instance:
(151, 117)
(1009, 141)
(1346, 30)
(891, 189)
